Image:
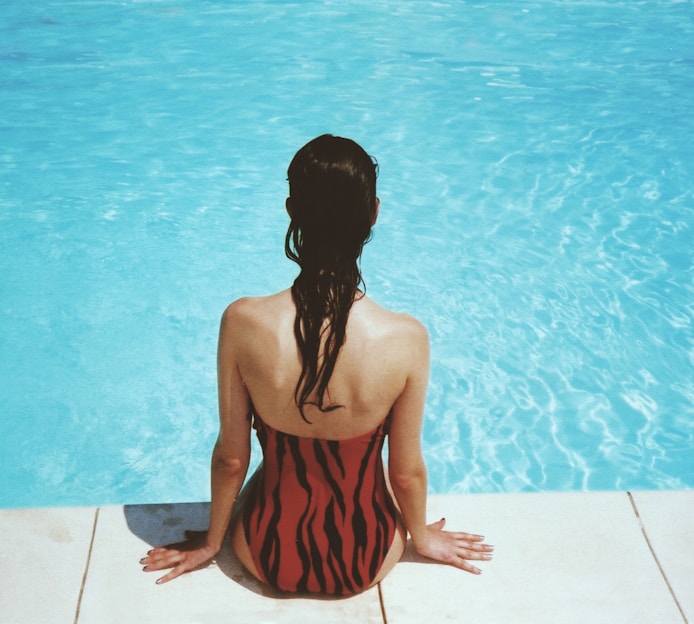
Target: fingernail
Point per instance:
(477, 571)
(486, 557)
(144, 569)
(143, 559)
(149, 552)
(158, 581)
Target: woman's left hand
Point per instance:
(455, 549)
(186, 556)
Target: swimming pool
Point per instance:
(537, 214)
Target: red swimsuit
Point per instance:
(319, 517)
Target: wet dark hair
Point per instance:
(332, 204)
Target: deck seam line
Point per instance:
(655, 557)
(383, 606)
(86, 567)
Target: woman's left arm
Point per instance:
(230, 458)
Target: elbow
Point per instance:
(411, 478)
(231, 466)
(228, 464)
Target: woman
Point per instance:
(323, 374)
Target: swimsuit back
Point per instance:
(319, 517)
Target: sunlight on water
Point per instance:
(537, 215)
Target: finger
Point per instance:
(463, 563)
(468, 567)
(472, 537)
(159, 556)
(476, 546)
(158, 552)
(176, 572)
(150, 556)
(168, 560)
(474, 554)
(439, 524)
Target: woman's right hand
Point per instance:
(453, 548)
(191, 554)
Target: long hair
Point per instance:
(332, 204)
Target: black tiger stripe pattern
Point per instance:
(319, 517)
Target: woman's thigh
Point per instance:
(238, 538)
(395, 552)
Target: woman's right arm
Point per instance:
(230, 457)
(407, 471)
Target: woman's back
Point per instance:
(370, 372)
(326, 374)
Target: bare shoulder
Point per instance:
(413, 326)
(397, 327)
(247, 316)
(414, 344)
(238, 314)
(251, 310)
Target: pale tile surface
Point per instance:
(559, 558)
(118, 591)
(563, 558)
(668, 519)
(42, 563)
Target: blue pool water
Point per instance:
(537, 215)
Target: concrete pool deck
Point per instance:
(614, 557)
